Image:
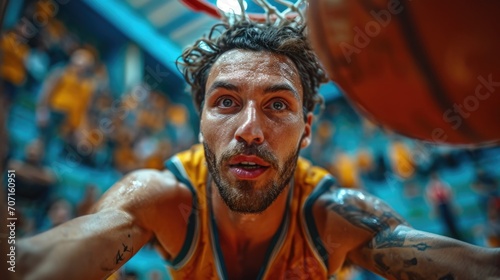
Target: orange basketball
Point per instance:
(426, 69)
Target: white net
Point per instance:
(294, 12)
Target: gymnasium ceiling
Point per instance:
(178, 23)
(173, 20)
(164, 27)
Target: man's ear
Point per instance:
(306, 136)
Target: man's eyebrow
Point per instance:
(282, 87)
(224, 85)
(269, 89)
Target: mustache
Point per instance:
(252, 149)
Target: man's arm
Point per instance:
(95, 245)
(389, 247)
(88, 247)
(406, 253)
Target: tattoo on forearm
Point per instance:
(119, 257)
(389, 231)
(385, 269)
(379, 261)
(388, 239)
(121, 252)
(411, 262)
(125, 248)
(421, 246)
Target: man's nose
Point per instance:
(249, 126)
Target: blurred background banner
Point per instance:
(90, 91)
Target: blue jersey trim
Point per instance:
(175, 166)
(324, 185)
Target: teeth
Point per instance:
(248, 163)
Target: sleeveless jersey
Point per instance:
(296, 250)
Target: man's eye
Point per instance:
(226, 102)
(278, 105)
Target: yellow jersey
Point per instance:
(296, 250)
(13, 52)
(72, 95)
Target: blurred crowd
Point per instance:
(53, 73)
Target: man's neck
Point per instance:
(248, 228)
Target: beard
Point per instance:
(243, 196)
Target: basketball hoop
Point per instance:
(202, 6)
(294, 11)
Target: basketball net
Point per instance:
(294, 13)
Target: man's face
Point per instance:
(253, 127)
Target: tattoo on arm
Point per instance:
(379, 261)
(377, 219)
(121, 252)
(119, 257)
(411, 262)
(403, 274)
(389, 231)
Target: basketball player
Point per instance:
(243, 204)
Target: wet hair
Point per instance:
(287, 39)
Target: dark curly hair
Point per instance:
(289, 40)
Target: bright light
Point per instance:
(231, 6)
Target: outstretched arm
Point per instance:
(95, 245)
(88, 247)
(385, 244)
(406, 253)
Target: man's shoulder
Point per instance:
(156, 181)
(155, 201)
(145, 188)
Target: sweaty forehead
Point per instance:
(235, 64)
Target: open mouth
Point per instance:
(247, 167)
